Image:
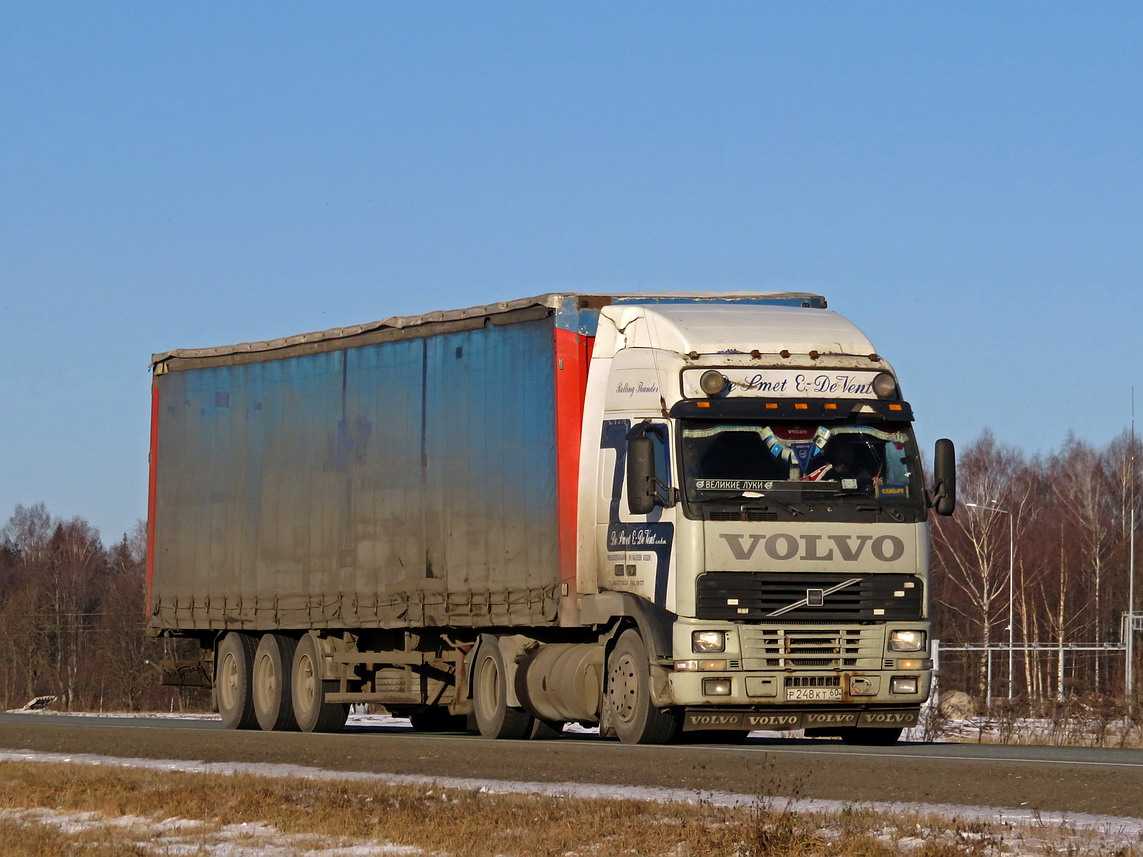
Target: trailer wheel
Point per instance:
(273, 662)
(308, 691)
(232, 682)
(635, 719)
(494, 717)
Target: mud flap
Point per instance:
(512, 649)
(661, 695)
(890, 719)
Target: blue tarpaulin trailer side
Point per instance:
(400, 483)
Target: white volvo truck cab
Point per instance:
(753, 494)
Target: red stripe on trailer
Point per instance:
(152, 481)
(573, 354)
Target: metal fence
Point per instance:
(1044, 670)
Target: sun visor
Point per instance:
(742, 408)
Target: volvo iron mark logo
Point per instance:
(815, 597)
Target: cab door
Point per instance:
(636, 549)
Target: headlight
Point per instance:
(708, 641)
(906, 641)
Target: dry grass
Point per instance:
(102, 810)
(1089, 721)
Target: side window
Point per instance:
(896, 466)
(658, 435)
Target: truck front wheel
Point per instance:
(308, 691)
(232, 680)
(634, 717)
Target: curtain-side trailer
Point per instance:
(654, 513)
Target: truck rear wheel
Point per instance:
(308, 691)
(634, 717)
(273, 662)
(494, 717)
(232, 680)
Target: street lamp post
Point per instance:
(1011, 587)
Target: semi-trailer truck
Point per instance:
(652, 513)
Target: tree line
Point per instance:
(72, 611)
(1056, 528)
(72, 617)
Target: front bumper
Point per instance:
(862, 689)
(802, 676)
(840, 717)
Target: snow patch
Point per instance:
(1128, 827)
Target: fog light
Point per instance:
(708, 641)
(903, 684)
(716, 687)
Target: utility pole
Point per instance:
(1130, 620)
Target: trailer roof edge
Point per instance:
(554, 301)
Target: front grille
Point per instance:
(742, 515)
(811, 648)
(829, 597)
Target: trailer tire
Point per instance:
(232, 680)
(273, 703)
(495, 718)
(634, 717)
(308, 691)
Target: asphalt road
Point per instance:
(1057, 779)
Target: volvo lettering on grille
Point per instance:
(810, 547)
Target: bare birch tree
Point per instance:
(971, 548)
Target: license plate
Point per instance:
(812, 694)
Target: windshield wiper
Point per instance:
(758, 495)
(866, 503)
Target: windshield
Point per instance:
(789, 462)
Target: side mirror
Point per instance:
(944, 477)
(640, 475)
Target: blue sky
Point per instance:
(962, 180)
